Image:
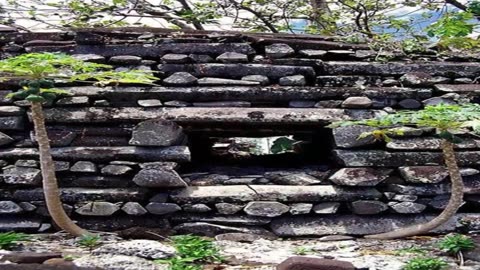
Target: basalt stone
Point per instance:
(228, 208)
(232, 57)
(72, 101)
(462, 81)
(263, 80)
(313, 53)
(416, 79)
(3, 163)
(157, 132)
(266, 209)
(348, 137)
(219, 219)
(424, 174)
(101, 103)
(159, 165)
(278, 50)
(404, 198)
(11, 111)
(175, 58)
(22, 175)
(162, 208)
(27, 163)
(211, 230)
(410, 104)
(300, 208)
(220, 104)
(19, 224)
(368, 207)
(326, 208)
(147, 249)
(116, 170)
(27, 207)
(70, 195)
(96, 181)
(97, 209)
(180, 79)
(360, 176)
(469, 171)
(159, 177)
(328, 104)
(301, 104)
(11, 123)
(291, 178)
(134, 209)
(438, 100)
(84, 167)
(421, 190)
(295, 80)
(9, 207)
(159, 198)
(308, 263)
(201, 58)
(439, 202)
(196, 208)
(213, 194)
(42, 209)
(219, 81)
(149, 103)
(125, 60)
(94, 58)
(114, 262)
(407, 207)
(58, 137)
(242, 237)
(357, 103)
(176, 103)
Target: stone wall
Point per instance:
(126, 155)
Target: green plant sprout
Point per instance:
(425, 263)
(10, 239)
(89, 241)
(447, 120)
(38, 73)
(455, 245)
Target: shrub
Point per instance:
(425, 263)
(456, 243)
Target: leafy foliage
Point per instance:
(89, 241)
(425, 263)
(192, 251)
(456, 243)
(10, 239)
(282, 145)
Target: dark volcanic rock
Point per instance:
(180, 79)
(85, 194)
(232, 57)
(157, 132)
(424, 174)
(162, 208)
(22, 175)
(159, 177)
(98, 209)
(347, 137)
(5, 139)
(266, 209)
(407, 207)
(211, 230)
(175, 58)
(326, 208)
(308, 263)
(360, 176)
(278, 50)
(295, 80)
(368, 207)
(291, 178)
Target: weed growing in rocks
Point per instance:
(192, 251)
(410, 250)
(455, 244)
(302, 251)
(10, 239)
(89, 241)
(425, 263)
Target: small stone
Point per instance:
(220, 81)
(469, 171)
(438, 100)
(101, 103)
(117, 262)
(278, 50)
(176, 103)
(439, 80)
(201, 58)
(160, 198)
(159, 165)
(410, 104)
(44, 227)
(228, 208)
(84, 167)
(148, 249)
(368, 207)
(241, 237)
(134, 209)
(125, 60)
(180, 79)
(463, 81)
(407, 207)
(162, 208)
(9, 207)
(22, 175)
(405, 198)
(5, 139)
(71, 101)
(11, 111)
(159, 177)
(27, 163)
(263, 80)
(309, 263)
(94, 58)
(62, 166)
(157, 132)
(291, 178)
(363, 54)
(266, 209)
(416, 79)
(232, 57)
(328, 104)
(116, 170)
(149, 103)
(326, 208)
(313, 53)
(333, 238)
(301, 104)
(360, 176)
(27, 207)
(439, 202)
(424, 174)
(357, 103)
(173, 58)
(3, 163)
(300, 208)
(97, 209)
(196, 208)
(123, 162)
(295, 80)
(390, 82)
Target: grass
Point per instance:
(89, 241)
(302, 251)
(425, 263)
(9, 239)
(192, 252)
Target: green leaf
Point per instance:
(35, 98)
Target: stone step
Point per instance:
(71, 195)
(197, 115)
(470, 89)
(19, 224)
(105, 153)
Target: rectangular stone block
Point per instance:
(72, 195)
(213, 194)
(11, 123)
(19, 224)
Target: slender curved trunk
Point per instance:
(50, 185)
(456, 200)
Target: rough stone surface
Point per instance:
(240, 237)
(125, 60)
(5, 139)
(220, 81)
(360, 176)
(180, 79)
(326, 208)
(157, 133)
(211, 230)
(263, 80)
(22, 175)
(149, 103)
(159, 177)
(368, 207)
(134, 209)
(212, 194)
(147, 249)
(84, 167)
(291, 178)
(347, 137)
(357, 103)
(266, 209)
(278, 50)
(175, 58)
(196, 208)
(116, 170)
(232, 57)
(308, 263)
(228, 208)
(162, 208)
(118, 262)
(313, 53)
(407, 207)
(300, 208)
(295, 80)
(9, 207)
(424, 174)
(98, 209)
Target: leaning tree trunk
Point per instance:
(50, 185)
(456, 200)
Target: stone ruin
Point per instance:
(144, 156)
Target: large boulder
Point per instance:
(159, 177)
(157, 132)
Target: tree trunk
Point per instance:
(50, 185)
(456, 200)
(321, 10)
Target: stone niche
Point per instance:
(193, 153)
